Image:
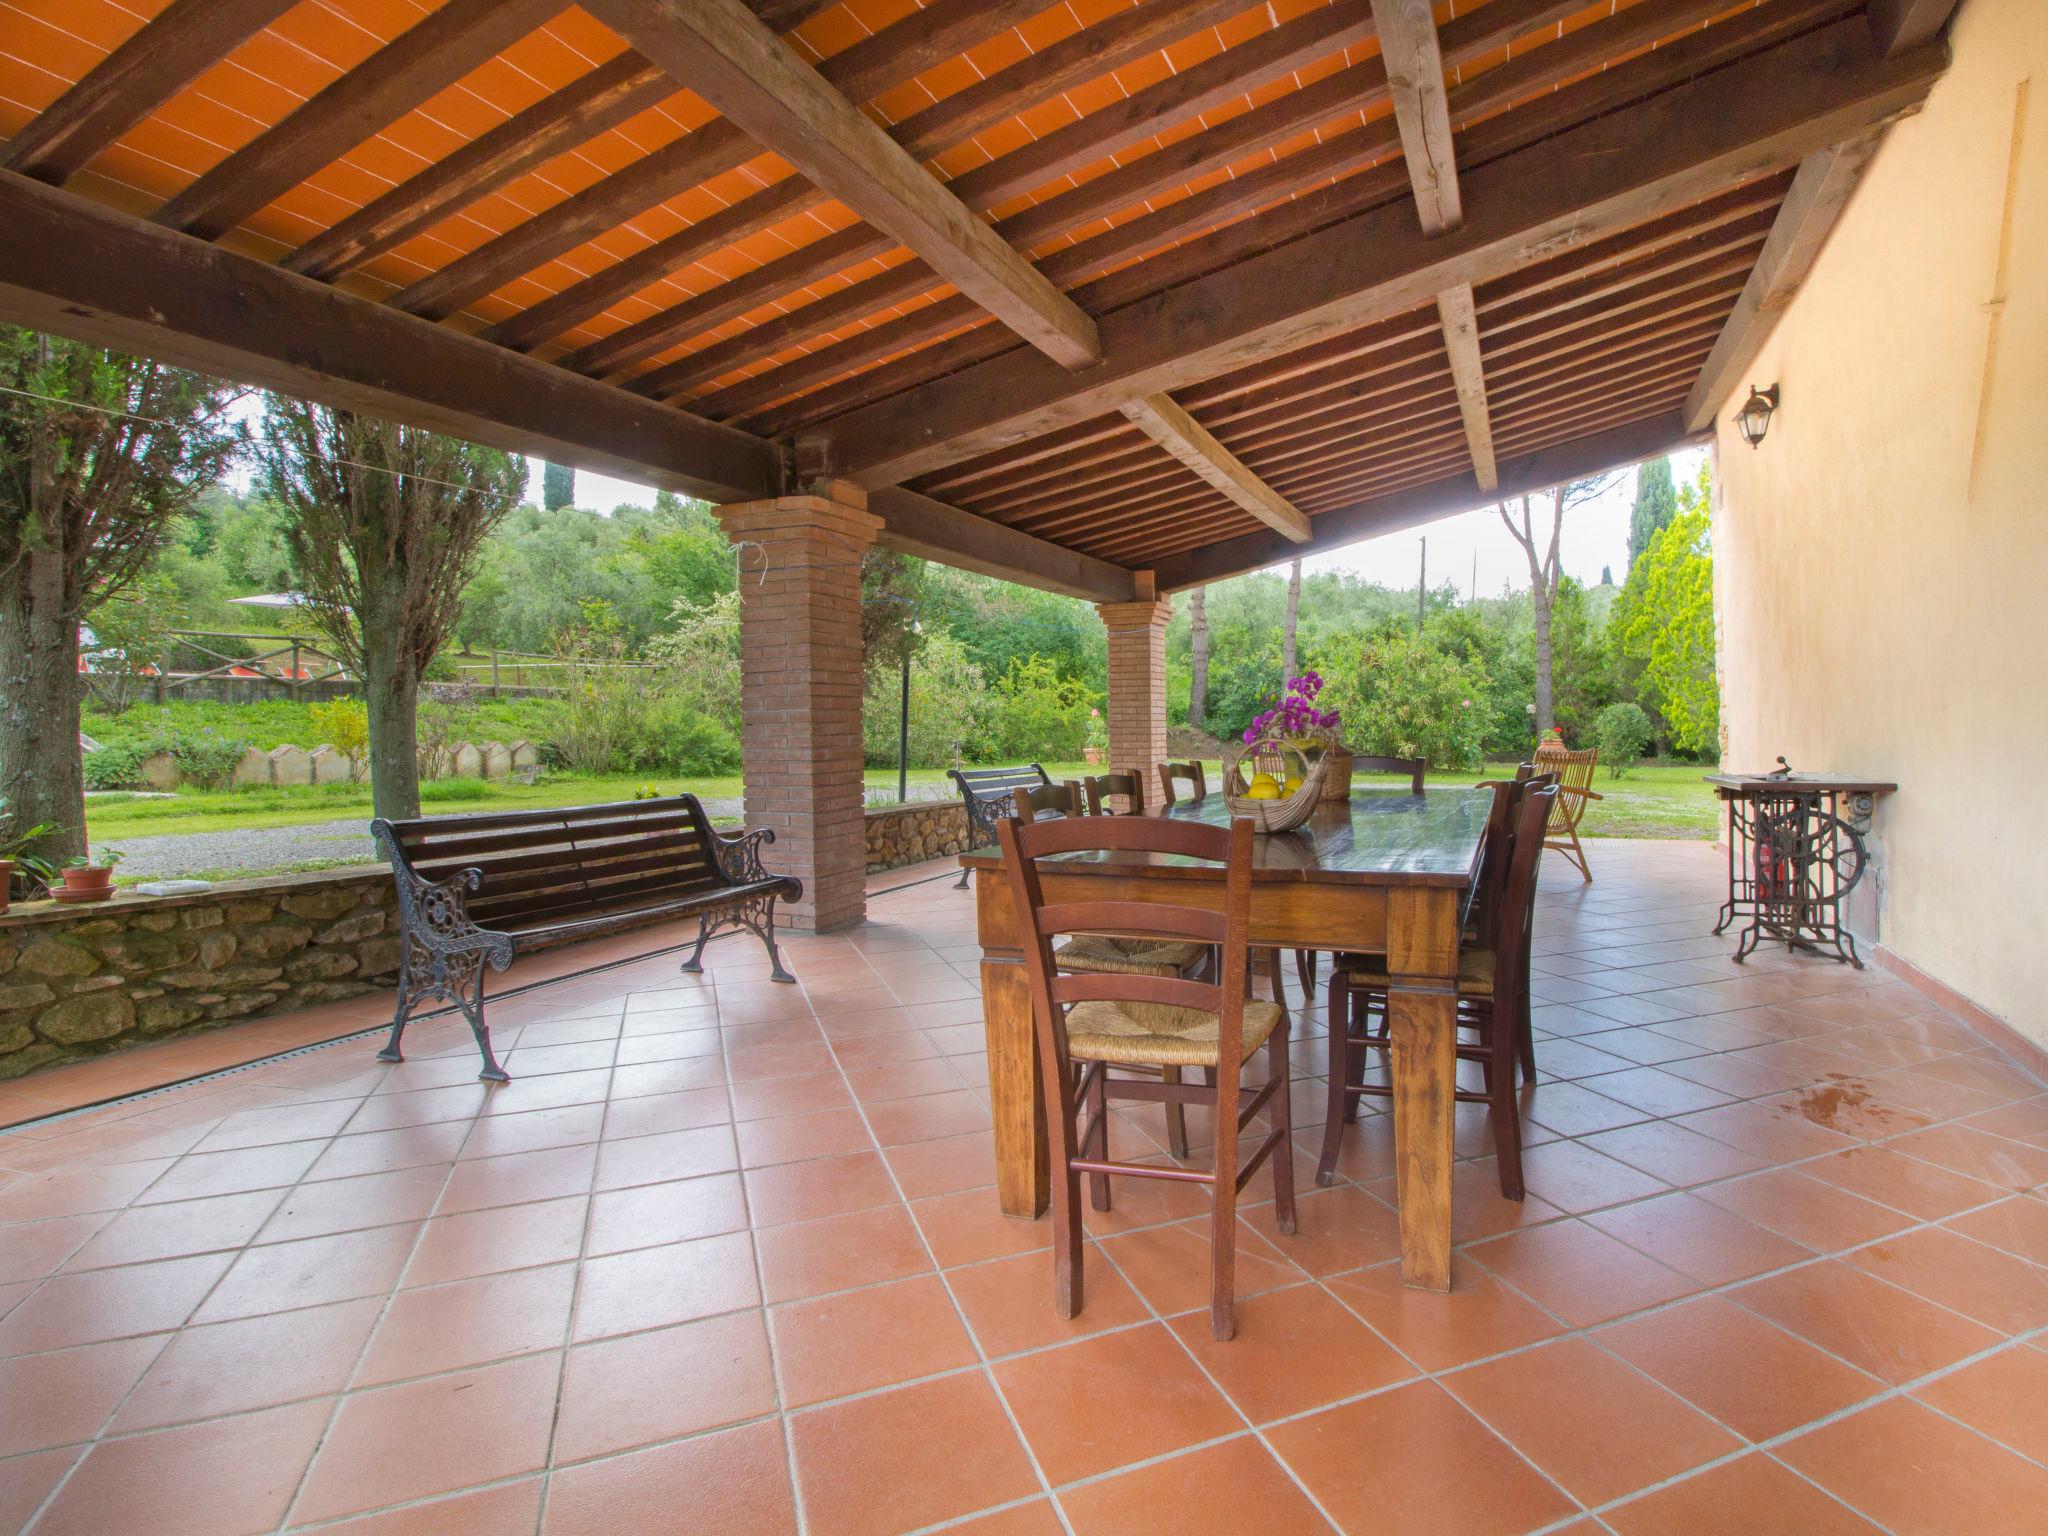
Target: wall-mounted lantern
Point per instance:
(1754, 419)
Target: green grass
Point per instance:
(269, 723)
(1659, 800)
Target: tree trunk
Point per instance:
(1540, 599)
(1287, 628)
(1198, 659)
(391, 688)
(39, 703)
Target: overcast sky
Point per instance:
(1594, 536)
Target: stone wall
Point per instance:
(910, 834)
(82, 980)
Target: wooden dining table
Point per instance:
(1385, 872)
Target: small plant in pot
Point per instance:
(13, 856)
(87, 879)
(1097, 741)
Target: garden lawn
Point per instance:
(1652, 801)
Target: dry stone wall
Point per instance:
(910, 834)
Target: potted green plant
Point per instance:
(12, 854)
(86, 879)
(1097, 740)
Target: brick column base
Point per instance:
(800, 672)
(1137, 686)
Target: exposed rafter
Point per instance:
(1173, 429)
(1700, 137)
(1461, 341)
(1904, 24)
(1415, 75)
(720, 50)
(187, 38)
(1819, 193)
(426, 58)
(932, 530)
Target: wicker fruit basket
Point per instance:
(1281, 761)
(1336, 773)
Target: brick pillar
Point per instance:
(1137, 685)
(800, 671)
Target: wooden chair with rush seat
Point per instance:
(1129, 783)
(1493, 979)
(1088, 1022)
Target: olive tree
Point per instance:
(385, 526)
(100, 454)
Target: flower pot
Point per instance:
(95, 882)
(1092, 756)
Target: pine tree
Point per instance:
(557, 487)
(1606, 575)
(1656, 504)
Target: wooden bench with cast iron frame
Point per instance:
(985, 795)
(477, 890)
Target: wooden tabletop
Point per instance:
(1378, 837)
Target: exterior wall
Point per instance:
(1881, 561)
(910, 834)
(1137, 683)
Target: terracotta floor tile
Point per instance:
(834, 1346)
(1994, 1159)
(226, 1173)
(1772, 1133)
(1169, 1266)
(1478, 1317)
(734, 1483)
(1587, 1420)
(675, 1283)
(519, 1177)
(1657, 1092)
(25, 1481)
(647, 1078)
(928, 1118)
(535, 1130)
(906, 1458)
(310, 1271)
(1888, 1332)
(654, 1113)
(1220, 1490)
(1997, 1289)
(220, 1478)
(170, 1231)
(1577, 1109)
(2018, 1225)
(1574, 1178)
(1580, 1273)
(632, 1391)
(2001, 1396)
(32, 1250)
(254, 1362)
(497, 1238)
(64, 1398)
(349, 1205)
(1336, 1229)
(801, 1138)
(416, 1146)
(772, 1096)
(967, 1228)
(483, 1512)
(469, 1323)
(1668, 1151)
(1743, 1497)
(647, 1214)
(1300, 1350)
(1903, 1183)
(945, 1166)
(827, 1186)
(486, 1424)
(1008, 1302)
(98, 1304)
(1432, 1469)
(1822, 1216)
(1104, 1402)
(834, 1253)
(1704, 1241)
(1757, 1379)
(1918, 1474)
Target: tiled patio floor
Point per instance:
(724, 1259)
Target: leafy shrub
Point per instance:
(1039, 714)
(676, 738)
(205, 758)
(1622, 733)
(1402, 697)
(345, 723)
(949, 706)
(461, 787)
(115, 766)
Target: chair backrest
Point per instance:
(1574, 772)
(1518, 902)
(1414, 767)
(1498, 847)
(1054, 992)
(1198, 786)
(1126, 782)
(1061, 799)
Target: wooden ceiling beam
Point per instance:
(425, 59)
(1689, 142)
(187, 38)
(1446, 497)
(1902, 25)
(1415, 75)
(1461, 344)
(1819, 192)
(722, 52)
(80, 269)
(932, 530)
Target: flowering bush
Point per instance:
(1296, 717)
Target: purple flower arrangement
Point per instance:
(1295, 717)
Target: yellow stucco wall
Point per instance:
(1883, 608)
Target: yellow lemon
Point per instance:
(1262, 787)
(1293, 783)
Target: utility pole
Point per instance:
(1474, 588)
(1422, 587)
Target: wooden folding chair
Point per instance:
(1087, 1023)
(1574, 772)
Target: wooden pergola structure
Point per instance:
(1112, 298)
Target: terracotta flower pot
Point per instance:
(95, 882)
(1092, 756)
